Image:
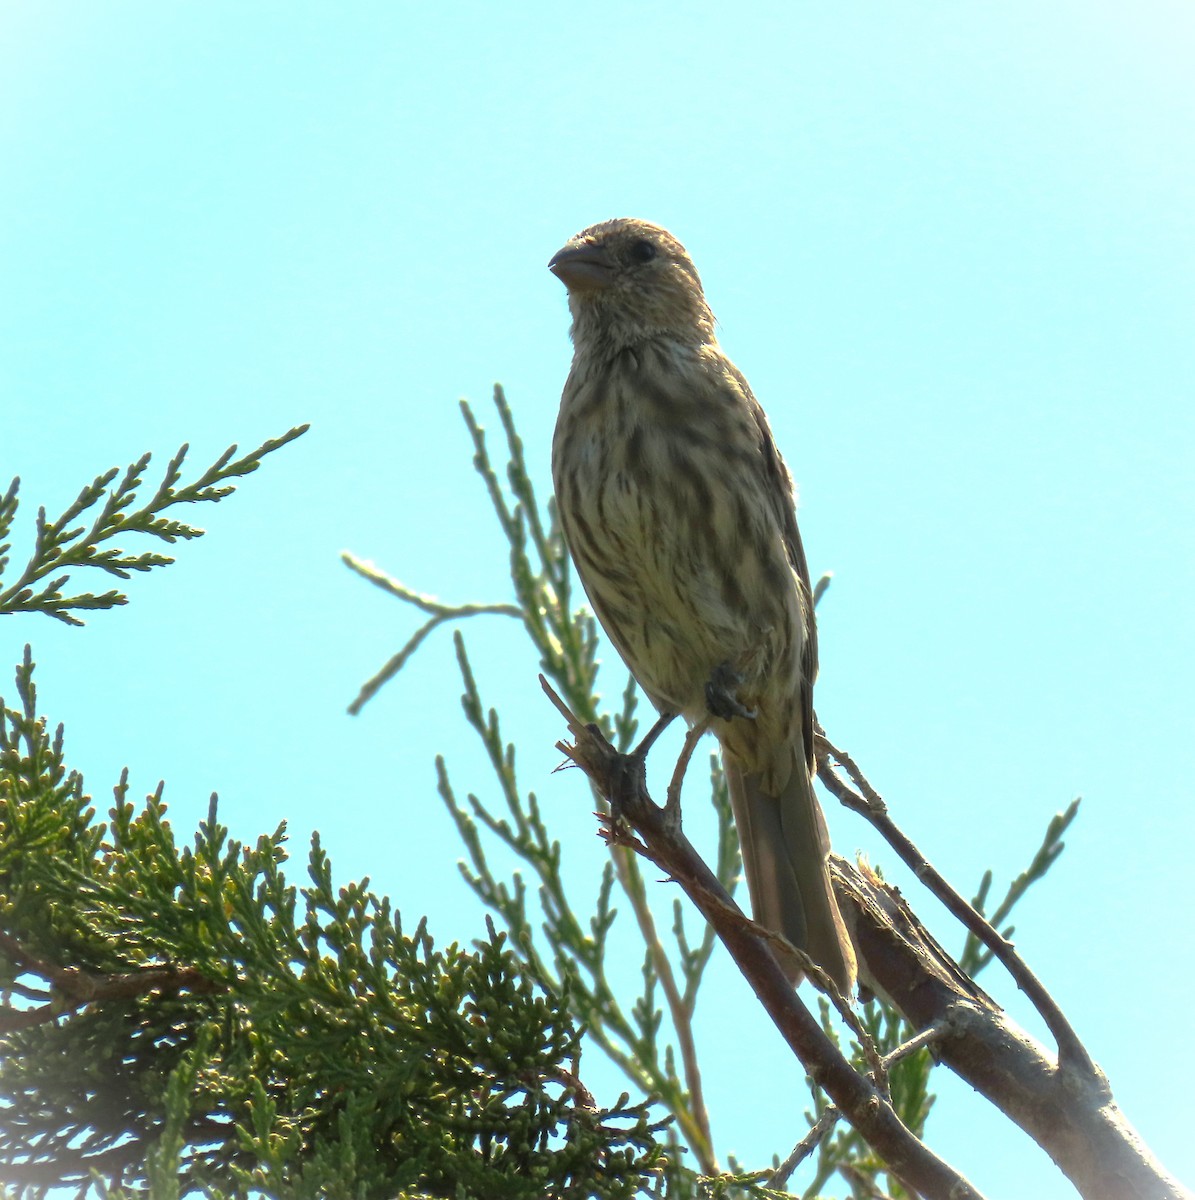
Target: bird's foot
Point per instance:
(625, 790)
(720, 695)
(630, 786)
(629, 781)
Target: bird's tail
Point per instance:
(785, 844)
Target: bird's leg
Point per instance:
(649, 740)
(720, 695)
(672, 804)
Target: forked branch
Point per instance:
(1070, 1114)
(620, 778)
(867, 802)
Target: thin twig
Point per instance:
(703, 1145)
(439, 614)
(429, 604)
(697, 1121)
(805, 1147)
(868, 803)
(826, 985)
(862, 1184)
(935, 1033)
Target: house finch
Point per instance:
(678, 512)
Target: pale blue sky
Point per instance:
(950, 245)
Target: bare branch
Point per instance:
(868, 803)
(76, 987)
(805, 1147)
(439, 614)
(620, 777)
(1070, 1114)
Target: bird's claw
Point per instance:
(720, 695)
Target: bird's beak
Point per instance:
(582, 267)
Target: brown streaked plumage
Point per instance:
(679, 514)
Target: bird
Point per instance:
(679, 514)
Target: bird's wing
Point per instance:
(781, 494)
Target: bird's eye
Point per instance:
(642, 251)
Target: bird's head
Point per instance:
(629, 281)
